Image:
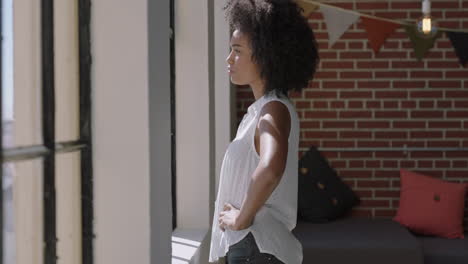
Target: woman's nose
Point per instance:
(229, 58)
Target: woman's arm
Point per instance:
(273, 130)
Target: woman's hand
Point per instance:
(229, 218)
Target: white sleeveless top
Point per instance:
(274, 221)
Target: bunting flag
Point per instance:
(460, 44)
(337, 22)
(307, 7)
(420, 45)
(378, 31)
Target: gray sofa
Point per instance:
(375, 241)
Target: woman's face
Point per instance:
(241, 68)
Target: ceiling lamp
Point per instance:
(426, 25)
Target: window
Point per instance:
(46, 153)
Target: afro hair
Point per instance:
(282, 42)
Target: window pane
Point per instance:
(7, 71)
(68, 188)
(9, 244)
(66, 70)
(23, 92)
(23, 218)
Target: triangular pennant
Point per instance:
(420, 44)
(378, 31)
(460, 44)
(307, 7)
(338, 21)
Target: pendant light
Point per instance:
(426, 25)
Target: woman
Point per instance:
(273, 50)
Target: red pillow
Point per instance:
(431, 206)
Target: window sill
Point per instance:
(188, 245)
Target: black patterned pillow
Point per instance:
(322, 195)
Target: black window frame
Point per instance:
(173, 121)
(50, 147)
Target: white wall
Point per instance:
(129, 172)
(203, 112)
(225, 103)
(120, 131)
(194, 138)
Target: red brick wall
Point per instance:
(361, 100)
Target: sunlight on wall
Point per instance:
(183, 250)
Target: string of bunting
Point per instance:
(378, 29)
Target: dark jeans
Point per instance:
(246, 252)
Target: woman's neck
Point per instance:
(258, 89)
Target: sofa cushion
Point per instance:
(431, 206)
(357, 240)
(442, 250)
(322, 196)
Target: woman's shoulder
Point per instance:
(279, 109)
(272, 96)
(282, 101)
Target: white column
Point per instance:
(119, 40)
(223, 94)
(193, 134)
